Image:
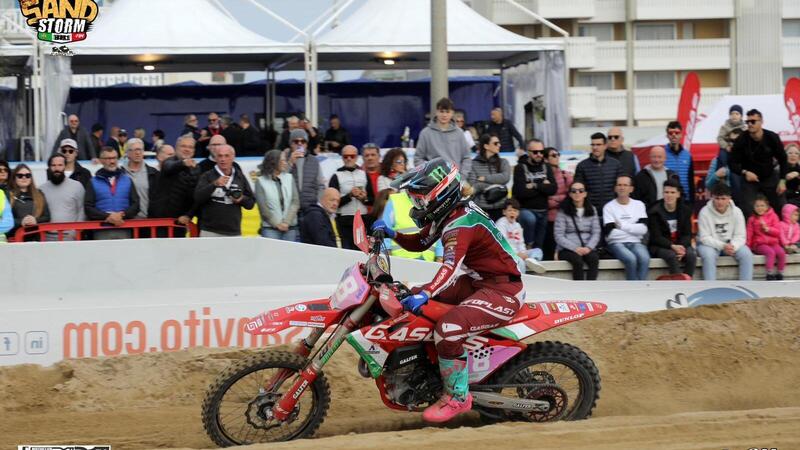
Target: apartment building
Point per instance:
(628, 58)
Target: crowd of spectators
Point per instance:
(610, 207)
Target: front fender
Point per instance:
(310, 314)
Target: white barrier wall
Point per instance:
(104, 298)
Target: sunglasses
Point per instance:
(536, 152)
(349, 156)
(3, 170)
(577, 191)
(554, 155)
(299, 141)
(399, 161)
(674, 133)
(23, 175)
(751, 121)
(614, 137)
(68, 150)
(495, 143)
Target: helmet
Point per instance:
(434, 189)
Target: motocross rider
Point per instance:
(487, 294)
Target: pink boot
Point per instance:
(455, 379)
(446, 408)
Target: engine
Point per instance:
(411, 379)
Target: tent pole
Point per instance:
(439, 63)
(307, 64)
(332, 17)
(314, 87)
(267, 102)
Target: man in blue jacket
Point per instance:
(111, 197)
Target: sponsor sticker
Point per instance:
(306, 324)
(301, 308)
(318, 318)
(545, 310)
(562, 307)
(590, 306)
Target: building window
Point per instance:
(656, 80)
(238, 77)
(217, 77)
(791, 28)
(600, 31)
(654, 31)
(792, 72)
(603, 81)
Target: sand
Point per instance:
(714, 377)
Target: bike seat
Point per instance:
(434, 311)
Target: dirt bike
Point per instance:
(284, 395)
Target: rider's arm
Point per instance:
(415, 242)
(456, 244)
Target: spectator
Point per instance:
(97, 136)
(393, 165)
(81, 137)
(74, 170)
(64, 196)
(533, 184)
(5, 171)
(27, 203)
(277, 197)
(164, 152)
(679, 160)
(356, 193)
(733, 123)
(460, 119)
(292, 123)
(319, 222)
(719, 168)
(371, 155)
(336, 137)
(314, 139)
(790, 230)
(232, 132)
(176, 184)
(212, 129)
(563, 180)
(793, 174)
(625, 225)
(251, 138)
(670, 224)
(190, 127)
(598, 173)
(512, 230)
(117, 140)
(753, 157)
(503, 129)
(111, 197)
(721, 231)
(220, 195)
(616, 150)
(305, 171)
(144, 177)
(397, 215)
(489, 178)
(213, 144)
(6, 217)
(158, 140)
(650, 181)
(442, 138)
(764, 237)
(577, 233)
(140, 133)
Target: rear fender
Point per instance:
(310, 314)
(551, 315)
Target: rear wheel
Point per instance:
(561, 374)
(237, 409)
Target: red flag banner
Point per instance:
(791, 96)
(687, 108)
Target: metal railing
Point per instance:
(684, 9)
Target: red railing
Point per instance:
(135, 225)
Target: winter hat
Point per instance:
(736, 108)
(298, 134)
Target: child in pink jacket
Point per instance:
(764, 237)
(790, 230)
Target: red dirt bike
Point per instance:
(284, 395)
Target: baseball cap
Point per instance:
(123, 131)
(68, 143)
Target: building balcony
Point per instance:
(791, 52)
(609, 57)
(607, 11)
(683, 9)
(581, 52)
(13, 27)
(110, 79)
(502, 13)
(791, 9)
(690, 54)
(590, 104)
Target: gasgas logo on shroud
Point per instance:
(59, 21)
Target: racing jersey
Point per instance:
(472, 243)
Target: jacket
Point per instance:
(757, 236)
(790, 232)
(629, 161)
(566, 235)
(316, 228)
(682, 164)
(711, 176)
(339, 135)
(251, 143)
(506, 132)
(793, 185)
(102, 198)
(145, 203)
(81, 175)
(22, 205)
(83, 138)
(449, 144)
(645, 188)
(6, 216)
(716, 229)
(278, 201)
(176, 185)
(600, 177)
(344, 180)
(310, 182)
(216, 211)
(725, 130)
(660, 235)
(526, 172)
(757, 157)
(396, 215)
(481, 167)
(563, 180)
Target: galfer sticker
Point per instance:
(562, 307)
(306, 324)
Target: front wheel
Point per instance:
(558, 373)
(237, 409)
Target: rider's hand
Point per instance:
(383, 226)
(414, 302)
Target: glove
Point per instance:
(414, 302)
(383, 226)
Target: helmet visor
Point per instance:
(419, 201)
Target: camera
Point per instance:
(234, 192)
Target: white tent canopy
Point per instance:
(175, 35)
(401, 30)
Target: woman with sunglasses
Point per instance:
(563, 181)
(577, 232)
(489, 176)
(27, 203)
(392, 166)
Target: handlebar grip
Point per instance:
(379, 234)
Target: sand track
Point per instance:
(720, 376)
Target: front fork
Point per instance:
(286, 405)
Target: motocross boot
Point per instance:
(456, 398)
